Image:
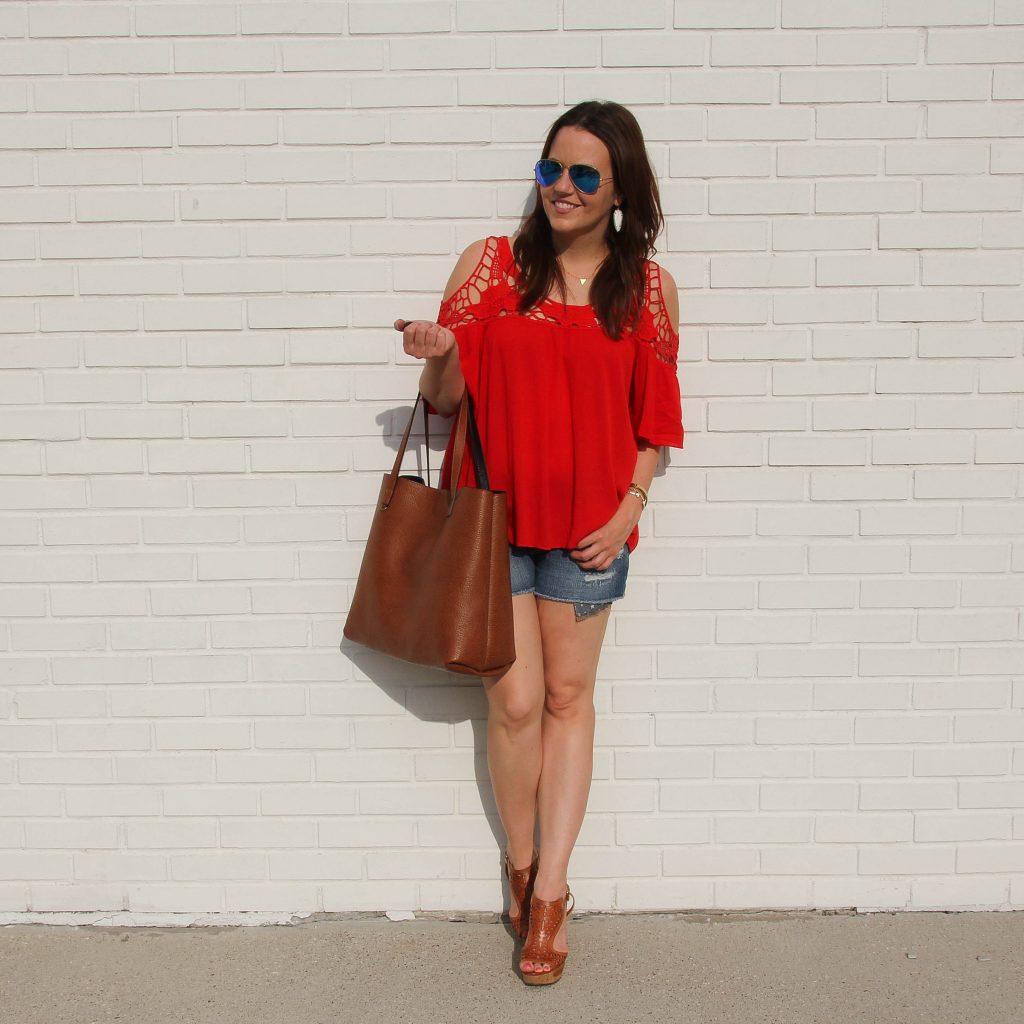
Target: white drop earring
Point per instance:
(617, 218)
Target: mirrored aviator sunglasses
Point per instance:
(584, 177)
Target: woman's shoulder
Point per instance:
(658, 329)
(662, 294)
(479, 283)
(659, 275)
(480, 264)
(663, 272)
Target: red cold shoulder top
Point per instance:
(560, 406)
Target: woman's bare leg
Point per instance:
(515, 706)
(571, 653)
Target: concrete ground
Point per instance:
(729, 968)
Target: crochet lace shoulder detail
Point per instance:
(485, 293)
(656, 328)
(490, 291)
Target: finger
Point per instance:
(409, 338)
(585, 558)
(436, 340)
(400, 325)
(438, 335)
(429, 338)
(589, 544)
(416, 333)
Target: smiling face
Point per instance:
(570, 212)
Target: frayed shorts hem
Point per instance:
(582, 609)
(554, 576)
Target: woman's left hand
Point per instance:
(599, 549)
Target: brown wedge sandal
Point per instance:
(546, 917)
(520, 885)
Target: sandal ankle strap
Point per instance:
(510, 870)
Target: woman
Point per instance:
(566, 336)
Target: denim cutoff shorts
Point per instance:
(556, 576)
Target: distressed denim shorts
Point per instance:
(556, 576)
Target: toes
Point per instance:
(534, 966)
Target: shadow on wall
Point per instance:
(393, 422)
(434, 695)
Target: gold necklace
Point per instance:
(582, 280)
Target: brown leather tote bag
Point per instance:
(434, 585)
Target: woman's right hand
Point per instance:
(424, 339)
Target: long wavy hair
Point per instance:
(617, 290)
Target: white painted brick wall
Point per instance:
(813, 694)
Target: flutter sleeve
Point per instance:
(655, 399)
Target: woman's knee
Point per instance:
(569, 696)
(516, 709)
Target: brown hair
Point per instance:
(618, 288)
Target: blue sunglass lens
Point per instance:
(548, 172)
(584, 177)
